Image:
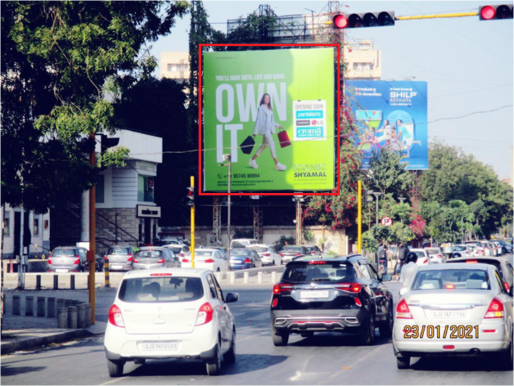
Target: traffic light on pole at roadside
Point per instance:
(367, 196)
(361, 20)
(495, 12)
(190, 196)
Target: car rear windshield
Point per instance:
(175, 250)
(292, 249)
(149, 254)
(334, 272)
(64, 252)
(433, 251)
(493, 262)
(467, 279)
(239, 244)
(119, 251)
(240, 252)
(459, 248)
(419, 253)
(161, 289)
(259, 249)
(200, 253)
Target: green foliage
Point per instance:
(387, 174)
(283, 239)
(308, 236)
(57, 58)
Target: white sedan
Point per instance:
(267, 253)
(170, 313)
(454, 309)
(212, 259)
(435, 255)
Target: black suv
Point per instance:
(341, 294)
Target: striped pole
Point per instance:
(106, 271)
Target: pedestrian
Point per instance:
(409, 270)
(382, 258)
(265, 125)
(402, 257)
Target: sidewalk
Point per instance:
(21, 332)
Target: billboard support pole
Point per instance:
(192, 226)
(359, 216)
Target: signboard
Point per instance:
(148, 211)
(386, 221)
(274, 112)
(391, 115)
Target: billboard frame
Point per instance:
(337, 189)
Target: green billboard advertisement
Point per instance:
(273, 112)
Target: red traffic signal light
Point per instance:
(368, 19)
(495, 12)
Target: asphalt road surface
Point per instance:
(327, 358)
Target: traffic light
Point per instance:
(358, 20)
(367, 196)
(495, 12)
(190, 196)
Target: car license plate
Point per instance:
(448, 314)
(158, 346)
(313, 294)
(116, 267)
(59, 270)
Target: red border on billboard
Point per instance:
(338, 119)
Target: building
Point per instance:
(125, 208)
(175, 65)
(363, 61)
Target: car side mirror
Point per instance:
(231, 297)
(386, 277)
(403, 291)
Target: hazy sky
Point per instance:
(467, 63)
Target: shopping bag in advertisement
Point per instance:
(284, 138)
(247, 145)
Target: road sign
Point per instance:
(386, 221)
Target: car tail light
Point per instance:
(160, 261)
(266, 254)
(449, 286)
(317, 262)
(204, 314)
(106, 258)
(495, 310)
(349, 287)
(77, 260)
(248, 261)
(313, 252)
(281, 254)
(402, 310)
(50, 259)
(275, 302)
(136, 260)
(358, 302)
(425, 261)
(185, 260)
(161, 274)
(448, 347)
(472, 261)
(130, 258)
(115, 316)
(209, 261)
(281, 288)
(297, 254)
(506, 286)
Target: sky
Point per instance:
(467, 64)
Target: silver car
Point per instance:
(454, 309)
(120, 257)
(155, 257)
(67, 259)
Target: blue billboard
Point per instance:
(390, 115)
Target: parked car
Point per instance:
(179, 250)
(292, 252)
(313, 250)
(267, 253)
(454, 309)
(212, 259)
(244, 258)
(341, 294)
(223, 250)
(155, 257)
(498, 247)
(478, 248)
(435, 254)
(503, 266)
(506, 247)
(121, 258)
(422, 255)
(68, 259)
(242, 243)
(462, 250)
(174, 313)
(488, 247)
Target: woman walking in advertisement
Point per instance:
(265, 125)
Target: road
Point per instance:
(324, 359)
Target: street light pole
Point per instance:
(228, 157)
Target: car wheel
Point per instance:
(230, 355)
(386, 328)
(403, 362)
(368, 338)
(115, 368)
(213, 367)
(279, 338)
(506, 358)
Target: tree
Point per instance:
(57, 58)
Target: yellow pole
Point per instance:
(437, 16)
(359, 216)
(193, 226)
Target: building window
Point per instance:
(100, 190)
(36, 227)
(7, 224)
(170, 67)
(145, 188)
(46, 225)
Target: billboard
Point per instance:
(391, 115)
(274, 112)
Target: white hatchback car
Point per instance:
(454, 309)
(267, 253)
(435, 255)
(212, 259)
(170, 313)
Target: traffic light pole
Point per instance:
(192, 227)
(359, 216)
(92, 239)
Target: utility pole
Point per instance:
(192, 190)
(298, 199)
(92, 238)
(228, 158)
(359, 216)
